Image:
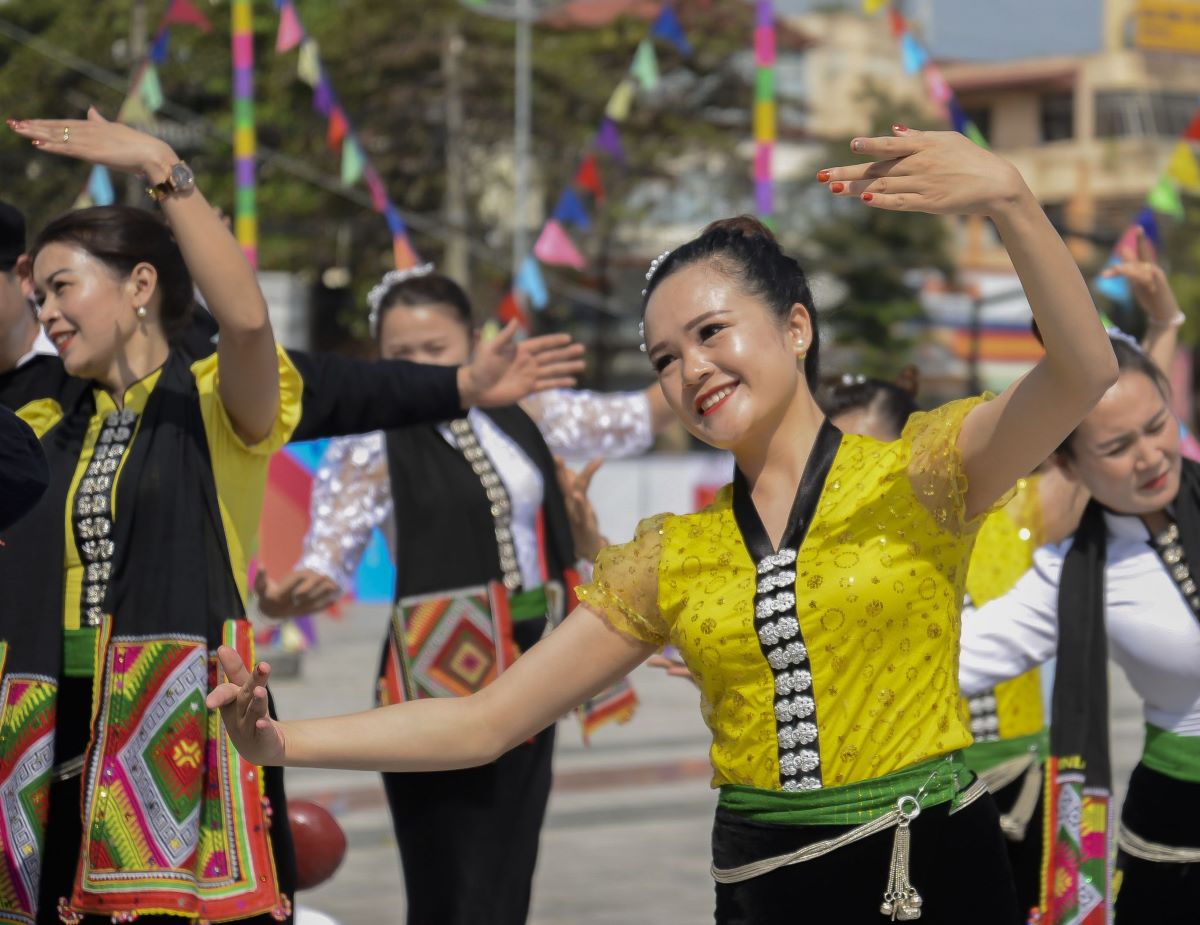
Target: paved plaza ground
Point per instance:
(627, 833)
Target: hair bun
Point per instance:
(745, 225)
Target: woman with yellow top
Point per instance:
(816, 601)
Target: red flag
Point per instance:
(899, 26)
(402, 253)
(337, 129)
(182, 11)
(1193, 129)
(511, 309)
(588, 178)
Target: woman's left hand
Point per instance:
(944, 173)
(98, 141)
(1147, 281)
(503, 371)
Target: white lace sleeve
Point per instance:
(351, 497)
(581, 425)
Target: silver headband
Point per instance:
(391, 279)
(1117, 334)
(654, 265)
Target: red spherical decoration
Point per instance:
(319, 840)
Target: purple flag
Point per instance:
(609, 139)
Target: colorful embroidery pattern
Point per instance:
(174, 821)
(1077, 875)
(27, 705)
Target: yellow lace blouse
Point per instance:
(1003, 553)
(879, 585)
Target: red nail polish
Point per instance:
(36, 143)
(856, 145)
(823, 175)
(837, 186)
(899, 127)
(867, 197)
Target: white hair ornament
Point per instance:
(391, 279)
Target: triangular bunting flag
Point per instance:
(972, 132)
(158, 51)
(403, 254)
(871, 7)
(134, 112)
(911, 52)
(1165, 198)
(588, 177)
(379, 201)
(82, 201)
(1183, 168)
(1149, 223)
(571, 211)
(510, 310)
(667, 28)
(337, 128)
(352, 162)
(530, 282)
(150, 89)
(936, 84)
(555, 248)
(291, 33)
(1113, 287)
(100, 187)
(1127, 243)
(308, 64)
(645, 65)
(323, 98)
(395, 223)
(621, 101)
(958, 118)
(899, 26)
(1193, 129)
(182, 12)
(608, 139)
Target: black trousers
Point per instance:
(1164, 810)
(958, 864)
(469, 839)
(1024, 855)
(64, 823)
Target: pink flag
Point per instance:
(936, 84)
(554, 247)
(291, 33)
(379, 199)
(182, 11)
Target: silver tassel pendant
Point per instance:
(901, 901)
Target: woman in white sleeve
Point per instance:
(1122, 584)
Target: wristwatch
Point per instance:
(180, 179)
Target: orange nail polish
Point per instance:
(867, 197)
(837, 186)
(823, 175)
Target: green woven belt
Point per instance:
(528, 605)
(79, 652)
(1171, 754)
(939, 780)
(983, 756)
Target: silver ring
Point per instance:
(905, 813)
(66, 133)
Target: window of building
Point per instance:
(1057, 116)
(1133, 114)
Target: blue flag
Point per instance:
(957, 116)
(913, 55)
(1114, 287)
(1149, 223)
(667, 27)
(100, 187)
(158, 51)
(570, 210)
(394, 222)
(530, 282)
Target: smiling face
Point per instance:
(424, 334)
(727, 366)
(1126, 451)
(88, 310)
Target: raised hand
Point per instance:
(242, 700)
(1147, 281)
(504, 371)
(585, 529)
(939, 172)
(98, 141)
(295, 595)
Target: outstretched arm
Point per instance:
(1153, 294)
(583, 656)
(945, 173)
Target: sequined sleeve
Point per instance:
(581, 425)
(935, 465)
(351, 496)
(624, 585)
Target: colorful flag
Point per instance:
(182, 12)
(510, 310)
(555, 248)
(1183, 168)
(588, 178)
(308, 63)
(323, 98)
(134, 112)
(1113, 287)
(100, 187)
(871, 7)
(530, 282)
(290, 33)
(1149, 223)
(621, 101)
(912, 54)
(403, 254)
(158, 51)
(1165, 198)
(570, 210)
(150, 88)
(608, 139)
(379, 200)
(972, 132)
(1193, 130)
(667, 28)
(645, 65)
(337, 129)
(352, 162)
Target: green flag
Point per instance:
(645, 65)
(150, 89)
(1165, 198)
(352, 162)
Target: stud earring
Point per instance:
(141, 312)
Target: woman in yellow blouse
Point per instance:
(816, 601)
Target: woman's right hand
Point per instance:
(944, 173)
(242, 700)
(298, 594)
(1147, 281)
(504, 370)
(98, 141)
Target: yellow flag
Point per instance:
(308, 64)
(871, 7)
(134, 111)
(1183, 168)
(621, 101)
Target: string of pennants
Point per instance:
(340, 135)
(554, 245)
(145, 95)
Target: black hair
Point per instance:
(1130, 359)
(745, 250)
(430, 289)
(121, 237)
(894, 403)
